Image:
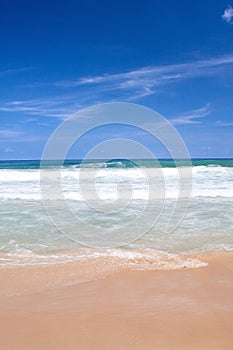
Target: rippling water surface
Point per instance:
(110, 199)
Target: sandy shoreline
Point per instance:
(126, 309)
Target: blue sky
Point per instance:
(58, 57)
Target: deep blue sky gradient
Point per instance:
(58, 57)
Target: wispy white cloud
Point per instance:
(228, 15)
(139, 83)
(57, 107)
(30, 120)
(223, 123)
(9, 133)
(192, 117)
(73, 95)
(12, 135)
(8, 150)
(8, 71)
(153, 76)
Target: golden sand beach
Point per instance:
(52, 307)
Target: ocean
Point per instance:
(108, 210)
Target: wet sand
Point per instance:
(46, 308)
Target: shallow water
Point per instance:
(111, 205)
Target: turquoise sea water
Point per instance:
(109, 202)
(166, 163)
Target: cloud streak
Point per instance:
(74, 95)
(49, 107)
(148, 77)
(15, 70)
(9, 133)
(14, 136)
(223, 123)
(192, 117)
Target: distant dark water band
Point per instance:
(116, 163)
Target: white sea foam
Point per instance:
(27, 234)
(207, 182)
(143, 259)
